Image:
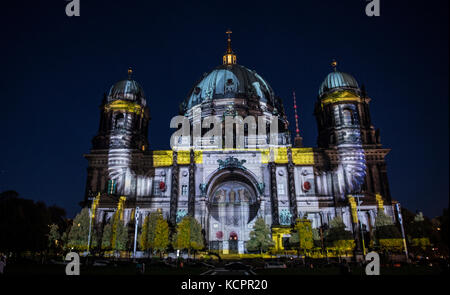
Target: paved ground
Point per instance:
(162, 269)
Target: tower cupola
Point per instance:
(229, 58)
(336, 81)
(128, 90)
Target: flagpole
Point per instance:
(89, 236)
(360, 228)
(400, 220)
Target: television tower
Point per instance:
(298, 140)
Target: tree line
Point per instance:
(26, 225)
(154, 236)
(423, 236)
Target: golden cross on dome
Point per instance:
(229, 32)
(334, 64)
(130, 72)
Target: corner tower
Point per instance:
(342, 89)
(343, 117)
(122, 132)
(123, 111)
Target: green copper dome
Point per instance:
(128, 89)
(338, 81)
(230, 81)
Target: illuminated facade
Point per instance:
(226, 189)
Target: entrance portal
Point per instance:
(232, 206)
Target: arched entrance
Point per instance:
(233, 243)
(233, 205)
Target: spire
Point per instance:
(229, 58)
(334, 64)
(229, 50)
(298, 139)
(130, 72)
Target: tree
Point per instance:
(65, 238)
(388, 237)
(420, 234)
(121, 236)
(147, 236)
(24, 224)
(161, 235)
(382, 219)
(107, 236)
(337, 222)
(196, 235)
(260, 237)
(181, 239)
(143, 241)
(385, 227)
(79, 232)
(302, 235)
(442, 233)
(119, 243)
(337, 231)
(316, 237)
(53, 236)
(58, 217)
(338, 237)
(188, 235)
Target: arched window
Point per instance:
(347, 117)
(119, 121)
(111, 187)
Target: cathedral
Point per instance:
(227, 183)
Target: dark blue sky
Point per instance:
(55, 69)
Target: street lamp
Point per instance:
(360, 226)
(89, 236)
(136, 222)
(400, 220)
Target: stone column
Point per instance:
(174, 191)
(191, 200)
(274, 194)
(291, 187)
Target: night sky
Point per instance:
(55, 69)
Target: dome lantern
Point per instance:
(130, 72)
(229, 58)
